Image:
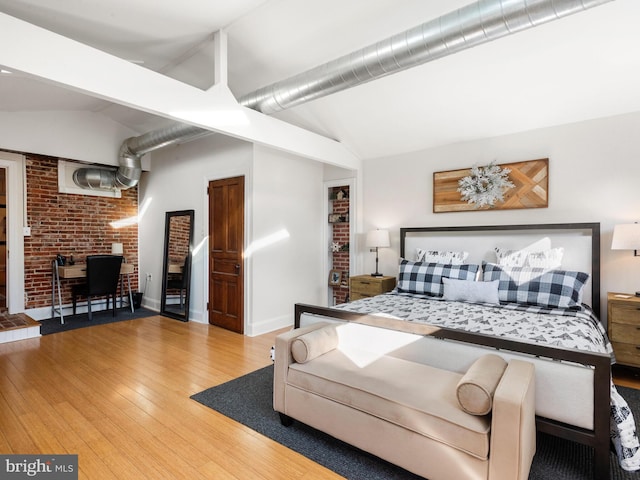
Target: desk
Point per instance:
(79, 270)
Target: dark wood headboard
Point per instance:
(590, 230)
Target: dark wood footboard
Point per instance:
(598, 438)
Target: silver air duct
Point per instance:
(464, 28)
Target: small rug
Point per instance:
(249, 400)
(81, 320)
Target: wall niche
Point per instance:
(339, 235)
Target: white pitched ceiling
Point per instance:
(581, 67)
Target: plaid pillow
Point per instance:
(426, 278)
(537, 286)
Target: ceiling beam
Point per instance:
(59, 60)
(221, 64)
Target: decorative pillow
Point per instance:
(551, 258)
(313, 344)
(510, 258)
(426, 278)
(546, 259)
(444, 257)
(476, 387)
(537, 286)
(471, 291)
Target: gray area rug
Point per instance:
(81, 320)
(249, 400)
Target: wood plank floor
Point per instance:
(118, 396)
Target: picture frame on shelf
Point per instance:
(335, 278)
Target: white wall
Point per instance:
(282, 194)
(89, 137)
(178, 181)
(594, 177)
(287, 199)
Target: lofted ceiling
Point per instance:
(577, 68)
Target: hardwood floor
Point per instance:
(118, 396)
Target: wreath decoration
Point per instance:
(486, 185)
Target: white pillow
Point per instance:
(551, 258)
(510, 258)
(442, 257)
(471, 291)
(546, 259)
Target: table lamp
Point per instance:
(627, 237)
(377, 239)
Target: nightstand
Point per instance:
(623, 327)
(363, 286)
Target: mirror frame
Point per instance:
(166, 262)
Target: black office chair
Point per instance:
(179, 282)
(103, 275)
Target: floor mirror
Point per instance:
(176, 272)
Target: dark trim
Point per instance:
(187, 265)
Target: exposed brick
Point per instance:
(341, 234)
(70, 224)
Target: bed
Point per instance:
(559, 332)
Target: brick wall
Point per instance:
(69, 224)
(179, 229)
(340, 260)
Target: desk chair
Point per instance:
(180, 283)
(103, 274)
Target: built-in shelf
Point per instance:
(339, 235)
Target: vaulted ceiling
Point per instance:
(577, 68)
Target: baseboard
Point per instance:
(19, 334)
(266, 326)
(44, 313)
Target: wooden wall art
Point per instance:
(524, 186)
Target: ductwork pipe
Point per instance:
(130, 155)
(472, 25)
(467, 27)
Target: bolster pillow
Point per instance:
(476, 387)
(313, 344)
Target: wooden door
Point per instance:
(226, 240)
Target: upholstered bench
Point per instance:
(430, 421)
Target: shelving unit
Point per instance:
(340, 237)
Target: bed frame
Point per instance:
(599, 437)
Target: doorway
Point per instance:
(226, 248)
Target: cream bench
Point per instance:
(430, 421)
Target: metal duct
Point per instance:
(464, 28)
(472, 25)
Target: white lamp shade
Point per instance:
(378, 238)
(116, 249)
(626, 237)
